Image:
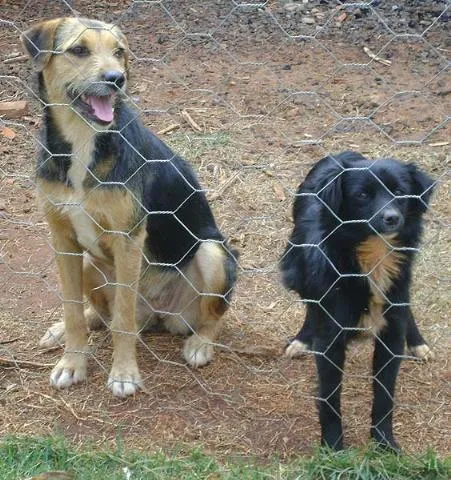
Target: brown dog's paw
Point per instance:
(124, 382)
(70, 370)
(198, 351)
(53, 337)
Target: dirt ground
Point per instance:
(273, 86)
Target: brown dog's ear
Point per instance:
(39, 42)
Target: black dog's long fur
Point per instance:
(323, 264)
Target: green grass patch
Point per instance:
(193, 145)
(24, 457)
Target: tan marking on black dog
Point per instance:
(381, 263)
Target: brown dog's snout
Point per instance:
(114, 76)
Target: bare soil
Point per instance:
(269, 103)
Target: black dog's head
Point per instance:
(373, 196)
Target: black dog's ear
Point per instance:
(423, 186)
(349, 156)
(329, 181)
(39, 42)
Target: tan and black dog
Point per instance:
(135, 238)
(358, 223)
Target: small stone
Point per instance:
(294, 7)
(308, 20)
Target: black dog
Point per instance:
(357, 225)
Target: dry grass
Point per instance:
(250, 400)
(251, 154)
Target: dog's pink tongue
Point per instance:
(103, 108)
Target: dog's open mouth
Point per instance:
(96, 108)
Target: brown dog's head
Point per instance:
(83, 64)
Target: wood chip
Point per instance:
(376, 58)
(8, 132)
(12, 362)
(186, 116)
(215, 195)
(20, 58)
(255, 351)
(342, 17)
(13, 110)
(12, 340)
(169, 128)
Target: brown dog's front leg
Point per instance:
(124, 377)
(72, 368)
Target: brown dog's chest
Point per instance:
(381, 263)
(94, 217)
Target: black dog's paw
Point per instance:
(422, 352)
(385, 441)
(296, 349)
(330, 444)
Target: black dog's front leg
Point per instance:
(330, 357)
(389, 347)
(302, 342)
(416, 344)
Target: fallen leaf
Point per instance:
(55, 475)
(342, 17)
(8, 132)
(279, 191)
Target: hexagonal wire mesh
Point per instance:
(252, 94)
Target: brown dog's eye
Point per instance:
(79, 51)
(119, 52)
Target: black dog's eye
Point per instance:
(79, 51)
(119, 52)
(398, 192)
(362, 195)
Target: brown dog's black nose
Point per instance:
(114, 76)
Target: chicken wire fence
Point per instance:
(251, 94)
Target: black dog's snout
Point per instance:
(391, 218)
(114, 76)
